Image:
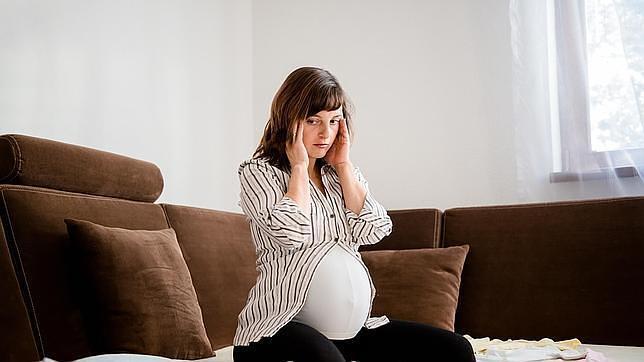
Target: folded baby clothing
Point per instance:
(521, 350)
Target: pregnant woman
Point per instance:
(309, 210)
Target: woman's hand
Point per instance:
(339, 151)
(295, 149)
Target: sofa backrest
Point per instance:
(38, 237)
(219, 253)
(42, 182)
(221, 257)
(17, 340)
(559, 270)
(412, 229)
(566, 269)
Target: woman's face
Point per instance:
(321, 129)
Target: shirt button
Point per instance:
(332, 215)
(336, 239)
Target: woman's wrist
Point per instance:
(345, 173)
(343, 165)
(300, 167)
(298, 187)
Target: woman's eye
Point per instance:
(313, 121)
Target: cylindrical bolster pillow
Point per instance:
(32, 161)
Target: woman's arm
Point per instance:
(354, 193)
(298, 188)
(277, 213)
(367, 218)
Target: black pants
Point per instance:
(397, 340)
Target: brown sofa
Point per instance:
(559, 270)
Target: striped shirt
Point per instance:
(290, 244)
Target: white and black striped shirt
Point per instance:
(290, 244)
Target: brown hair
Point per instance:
(305, 92)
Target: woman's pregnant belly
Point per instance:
(339, 297)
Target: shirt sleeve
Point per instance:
(372, 224)
(264, 202)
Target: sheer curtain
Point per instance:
(578, 98)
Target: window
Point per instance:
(615, 48)
(596, 53)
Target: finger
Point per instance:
(300, 131)
(339, 136)
(345, 128)
(295, 131)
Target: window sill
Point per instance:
(602, 174)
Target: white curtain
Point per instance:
(578, 98)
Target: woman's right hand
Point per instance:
(295, 149)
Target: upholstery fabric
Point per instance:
(139, 293)
(221, 256)
(419, 285)
(565, 269)
(37, 238)
(407, 234)
(19, 344)
(568, 269)
(33, 161)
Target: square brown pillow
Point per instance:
(138, 295)
(419, 285)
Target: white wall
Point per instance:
(432, 84)
(430, 81)
(188, 86)
(165, 81)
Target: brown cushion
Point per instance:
(418, 285)
(139, 296)
(41, 162)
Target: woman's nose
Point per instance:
(325, 130)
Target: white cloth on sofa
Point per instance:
(522, 350)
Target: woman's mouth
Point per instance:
(321, 145)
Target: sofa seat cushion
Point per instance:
(139, 294)
(420, 285)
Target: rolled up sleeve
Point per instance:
(373, 223)
(264, 202)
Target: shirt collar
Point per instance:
(325, 168)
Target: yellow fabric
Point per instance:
(481, 345)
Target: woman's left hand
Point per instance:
(339, 151)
